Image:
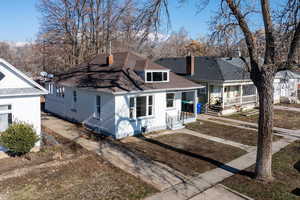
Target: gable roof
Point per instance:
(122, 76)
(209, 68)
(36, 88)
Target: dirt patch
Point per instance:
(186, 153)
(88, 178)
(287, 178)
(66, 149)
(244, 136)
(282, 119)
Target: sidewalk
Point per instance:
(195, 187)
(280, 131)
(153, 173)
(287, 108)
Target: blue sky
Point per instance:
(19, 19)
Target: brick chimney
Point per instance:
(110, 59)
(190, 65)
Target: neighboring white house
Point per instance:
(286, 87)
(228, 84)
(123, 94)
(19, 98)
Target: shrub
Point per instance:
(19, 138)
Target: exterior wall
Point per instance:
(11, 79)
(25, 109)
(285, 89)
(128, 127)
(115, 119)
(83, 111)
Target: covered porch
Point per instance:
(232, 96)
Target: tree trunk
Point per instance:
(263, 170)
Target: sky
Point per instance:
(19, 19)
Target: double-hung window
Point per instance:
(5, 117)
(170, 100)
(141, 106)
(98, 107)
(157, 76)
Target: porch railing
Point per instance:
(240, 101)
(249, 99)
(232, 101)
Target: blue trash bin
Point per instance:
(199, 108)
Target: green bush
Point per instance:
(19, 138)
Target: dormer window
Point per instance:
(157, 76)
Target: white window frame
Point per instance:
(9, 112)
(161, 71)
(133, 109)
(174, 102)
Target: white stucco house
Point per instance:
(123, 94)
(19, 98)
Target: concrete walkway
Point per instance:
(280, 131)
(287, 108)
(217, 139)
(173, 184)
(156, 174)
(194, 187)
(204, 136)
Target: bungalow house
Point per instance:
(123, 94)
(19, 98)
(228, 85)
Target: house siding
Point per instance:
(11, 79)
(128, 127)
(83, 110)
(25, 109)
(114, 120)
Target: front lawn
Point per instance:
(282, 119)
(243, 136)
(188, 154)
(87, 177)
(292, 105)
(286, 171)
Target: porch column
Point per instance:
(223, 96)
(241, 94)
(195, 103)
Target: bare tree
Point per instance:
(236, 15)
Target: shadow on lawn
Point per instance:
(204, 158)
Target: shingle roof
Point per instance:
(121, 76)
(209, 68)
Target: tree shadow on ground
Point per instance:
(197, 156)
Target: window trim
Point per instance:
(162, 74)
(133, 108)
(173, 100)
(8, 112)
